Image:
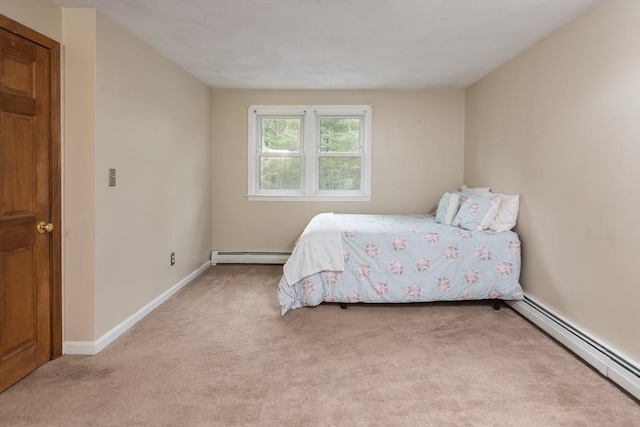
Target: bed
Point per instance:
(351, 258)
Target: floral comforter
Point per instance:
(411, 258)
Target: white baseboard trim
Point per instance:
(608, 361)
(95, 347)
(249, 257)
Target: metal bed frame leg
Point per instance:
(343, 306)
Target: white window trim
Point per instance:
(310, 153)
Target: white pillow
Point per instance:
(507, 214)
(475, 190)
(447, 208)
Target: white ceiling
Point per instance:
(339, 44)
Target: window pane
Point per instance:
(340, 135)
(280, 173)
(281, 134)
(339, 173)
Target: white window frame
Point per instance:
(310, 152)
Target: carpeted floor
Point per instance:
(219, 354)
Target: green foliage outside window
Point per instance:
(281, 134)
(280, 173)
(339, 173)
(339, 135)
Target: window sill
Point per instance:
(317, 198)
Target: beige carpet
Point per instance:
(219, 354)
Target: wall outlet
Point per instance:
(173, 258)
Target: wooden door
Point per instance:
(29, 194)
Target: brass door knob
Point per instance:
(42, 227)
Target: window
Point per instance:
(310, 152)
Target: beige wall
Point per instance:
(79, 210)
(417, 155)
(560, 125)
(40, 15)
(153, 124)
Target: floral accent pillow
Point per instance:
(447, 208)
(476, 212)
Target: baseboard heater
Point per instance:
(249, 257)
(609, 362)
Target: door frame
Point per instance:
(55, 178)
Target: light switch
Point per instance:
(112, 177)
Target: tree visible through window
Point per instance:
(280, 159)
(310, 151)
(340, 162)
